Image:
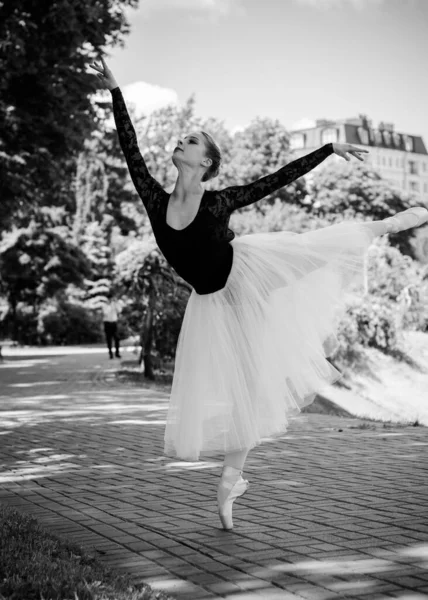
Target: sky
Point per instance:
(291, 60)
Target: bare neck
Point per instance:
(187, 186)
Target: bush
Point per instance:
(58, 323)
(69, 323)
(349, 349)
(368, 322)
(377, 323)
(420, 244)
(396, 300)
(24, 328)
(399, 280)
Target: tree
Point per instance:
(45, 106)
(420, 244)
(355, 190)
(159, 134)
(395, 300)
(260, 149)
(279, 216)
(91, 185)
(156, 295)
(398, 280)
(117, 199)
(36, 263)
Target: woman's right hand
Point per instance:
(104, 74)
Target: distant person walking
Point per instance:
(110, 315)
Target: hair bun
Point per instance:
(214, 153)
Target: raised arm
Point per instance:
(149, 190)
(238, 196)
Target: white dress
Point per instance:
(254, 353)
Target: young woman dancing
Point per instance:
(261, 319)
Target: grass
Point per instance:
(37, 565)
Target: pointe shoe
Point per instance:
(412, 217)
(237, 489)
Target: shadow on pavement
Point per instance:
(333, 511)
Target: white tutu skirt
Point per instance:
(254, 353)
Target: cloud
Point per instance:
(199, 9)
(141, 98)
(147, 97)
(327, 4)
(303, 124)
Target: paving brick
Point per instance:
(328, 513)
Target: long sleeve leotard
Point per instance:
(200, 253)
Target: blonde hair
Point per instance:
(214, 153)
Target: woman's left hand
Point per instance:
(342, 149)
(104, 73)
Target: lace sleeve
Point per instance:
(149, 190)
(237, 196)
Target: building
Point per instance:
(400, 158)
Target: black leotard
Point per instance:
(200, 253)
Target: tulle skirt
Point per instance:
(254, 353)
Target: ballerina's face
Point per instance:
(191, 151)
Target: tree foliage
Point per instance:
(37, 263)
(354, 190)
(73, 225)
(45, 89)
(395, 300)
(156, 299)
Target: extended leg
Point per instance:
(406, 219)
(378, 227)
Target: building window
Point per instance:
(378, 137)
(414, 186)
(329, 136)
(425, 188)
(298, 140)
(424, 166)
(408, 143)
(387, 138)
(363, 135)
(413, 167)
(383, 160)
(397, 139)
(390, 161)
(397, 162)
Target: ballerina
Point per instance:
(260, 321)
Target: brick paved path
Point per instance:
(333, 511)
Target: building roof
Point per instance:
(354, 126)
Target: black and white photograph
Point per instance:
(213, 299)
